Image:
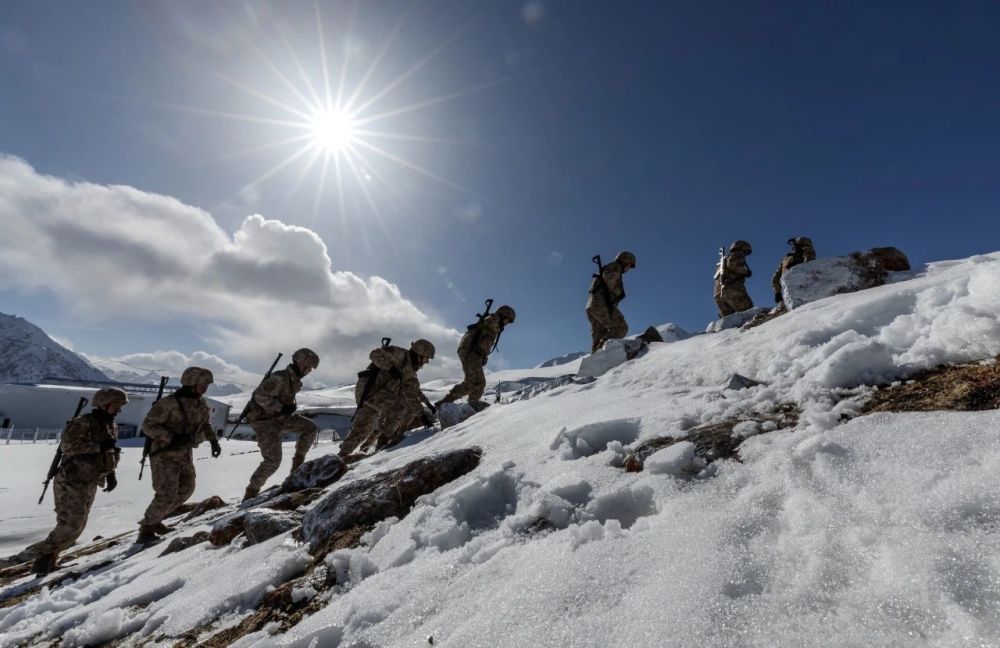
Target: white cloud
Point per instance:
(469, 213)
(115, 252)
(173, 363)
(555, 258)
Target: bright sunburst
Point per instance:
(330, 126)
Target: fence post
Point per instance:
(10, 432)
(35, 440)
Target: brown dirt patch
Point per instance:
(965, 388)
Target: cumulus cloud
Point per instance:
(115, 252)
(173, 363)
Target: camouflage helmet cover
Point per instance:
(626, 258)
(307, 356)
(741, 246)
(197, 376)
(423, 348)
(107, 396)
(507, 313)
(802, 242)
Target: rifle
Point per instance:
(147, 444)
(246, 408)
(54, 466)
(719, 265)
(371, 373)
(601, 284)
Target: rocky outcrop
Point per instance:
(364, 502)
(612, 354)
(180, 544)
(813, 280)
(450, 414)
(262, 524)
(736, 320)
(315, 473)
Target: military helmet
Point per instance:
(197, 376)
(107, 396)
(423, 348)
(507, 313)
(741, 246)
(626, 259)
(307, 356)
(801, 242)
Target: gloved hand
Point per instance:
(181, 439)
(216, 449)
(427, 420)
(111, 482)
(288, 409)
(108, 445)
(396, 373)
(778, 298)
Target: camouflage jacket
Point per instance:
(407, 386)
(734, 270)
(176, 415)
(790, 260)
(480, 337)
(612, 276)
(277, 391)
(83, 460)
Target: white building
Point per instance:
(46, 408)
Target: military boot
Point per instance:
(297, 461)
(250, 493)
(161, 529)
(478, 405)
(44, 564)
(147, 534)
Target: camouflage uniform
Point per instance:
(802, 251)
(473, 351)
(730, 292)
(272, 415)
(391, 401)
(83, 468)
(176, 424)
(606, 321)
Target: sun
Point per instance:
(333, 131)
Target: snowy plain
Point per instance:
(880, 530)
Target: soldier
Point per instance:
(176, 424)
(730, 292)
(272, 414)
(606, 292)
(89, 458)
(473, 350)
(802, 251)
(388, 395)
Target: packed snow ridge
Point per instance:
(839, 529)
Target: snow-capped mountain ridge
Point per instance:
(28, 355)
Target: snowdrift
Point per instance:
(839, 530)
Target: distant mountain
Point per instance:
(121, 372)
(27, 354)
(561, 360)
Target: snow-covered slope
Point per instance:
(880, 530)
(27, 354)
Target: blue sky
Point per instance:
(545, 132)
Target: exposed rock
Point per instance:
(963, 388)
(291, 501)
(736, 381)
(714, 441)
(315, 473)
(650, 335)
(263, 524)
(199, 508)
(561, 360)
(227, 528)
(180, 544)
(735, 320)
(670, 332)
(450, 414)
(821, 278)
(366, 501)
(612, 354)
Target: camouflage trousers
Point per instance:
(385, 413)
(606, 323)
(732, 299)
(269, 433)
(474, 383)
(73, 502)
(173, 484)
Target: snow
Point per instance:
(27, 355)
(881, 531)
